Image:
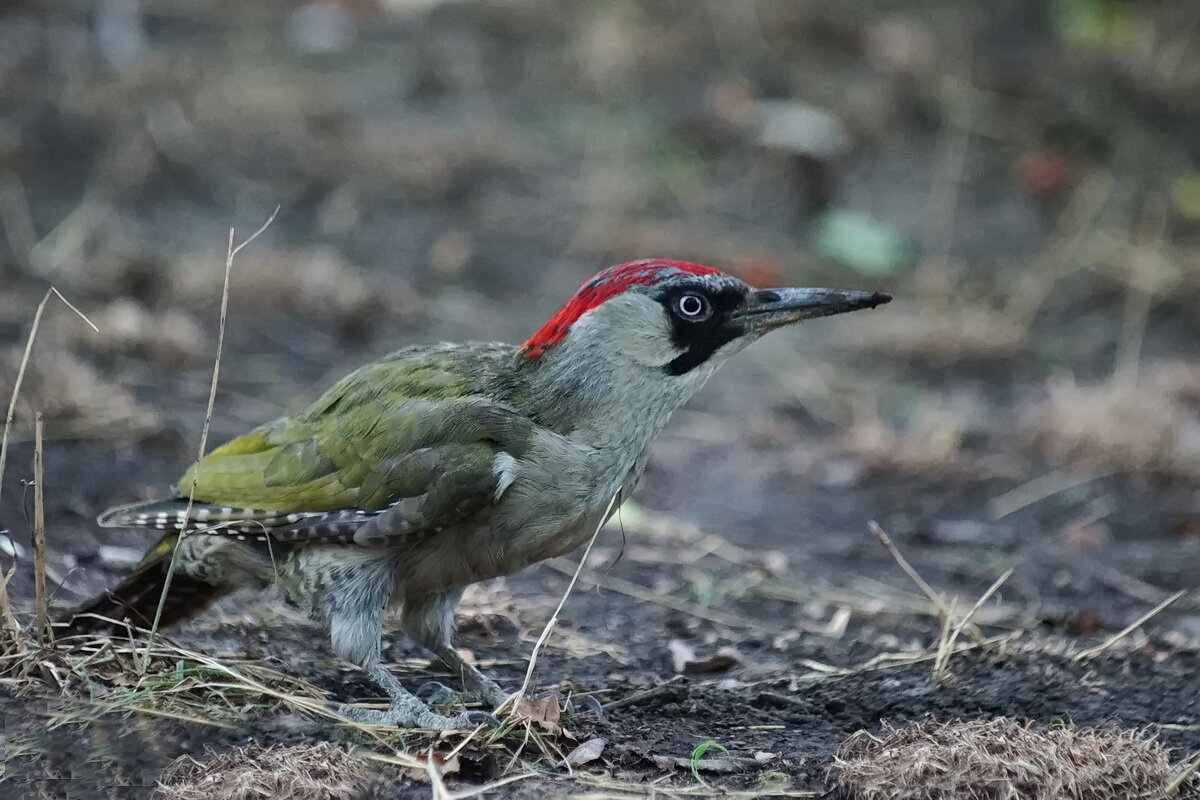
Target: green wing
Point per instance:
(412, 425)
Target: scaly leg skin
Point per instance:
(407, 711)
(354, 632)
(430, 622)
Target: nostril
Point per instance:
(766, 296)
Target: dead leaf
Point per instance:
(444, 766)
(542, 713)
(587, 752)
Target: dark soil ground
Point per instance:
(1030, 401)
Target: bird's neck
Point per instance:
(598, 397)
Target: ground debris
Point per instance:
(1003, 758)
(722, 763)
(301, 772)
(685, 659)
(587, 752)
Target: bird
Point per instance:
(439, 466)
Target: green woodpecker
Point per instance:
(442, 465)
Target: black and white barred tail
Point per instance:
(136, 598)
(243, 524)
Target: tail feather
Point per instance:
(134, 601)
(174, 515)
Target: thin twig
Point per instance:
(939, 667)
(645, 694)
(230, 253)
(10, 620)
(1130, 628)
(938, 602)
(1034, 491)
(913, 575)
(39, 535)
(514, 699)
(1143, 280)
(12, 403)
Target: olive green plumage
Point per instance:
(387, 431)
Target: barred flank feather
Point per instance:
(135, 599)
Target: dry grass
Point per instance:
(1002, 759)
(300, 772)
(1150, 424)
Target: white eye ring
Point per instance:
(692, 306)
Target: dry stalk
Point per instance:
(12, 627)
(1060, 480)
(514, 699)
(1143, 277)
(45, 635)
(943, 660)
(230, 253)
(1092, 652)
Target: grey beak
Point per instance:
(771, 308)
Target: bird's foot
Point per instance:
(438, 694)
(487, 693)
(412, 713)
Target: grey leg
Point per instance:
(354, 632)
(430, 623)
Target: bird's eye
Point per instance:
(693, 307)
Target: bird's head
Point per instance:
(677, 317)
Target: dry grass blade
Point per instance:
(514, 700)
(1038, 489)
(12, 402)
(1130, 628)
(230, 253)
(938, 602)
(915, 576)
(45, 635)
(944, 653)
(13, 629)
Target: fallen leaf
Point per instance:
(443, 765)
(541, 712)
(587, 752)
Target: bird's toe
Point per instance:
(437, 694)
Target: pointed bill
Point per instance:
(767, 309)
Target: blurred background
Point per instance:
(1023, 176)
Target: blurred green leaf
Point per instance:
(864, 244)
(1185, 195)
